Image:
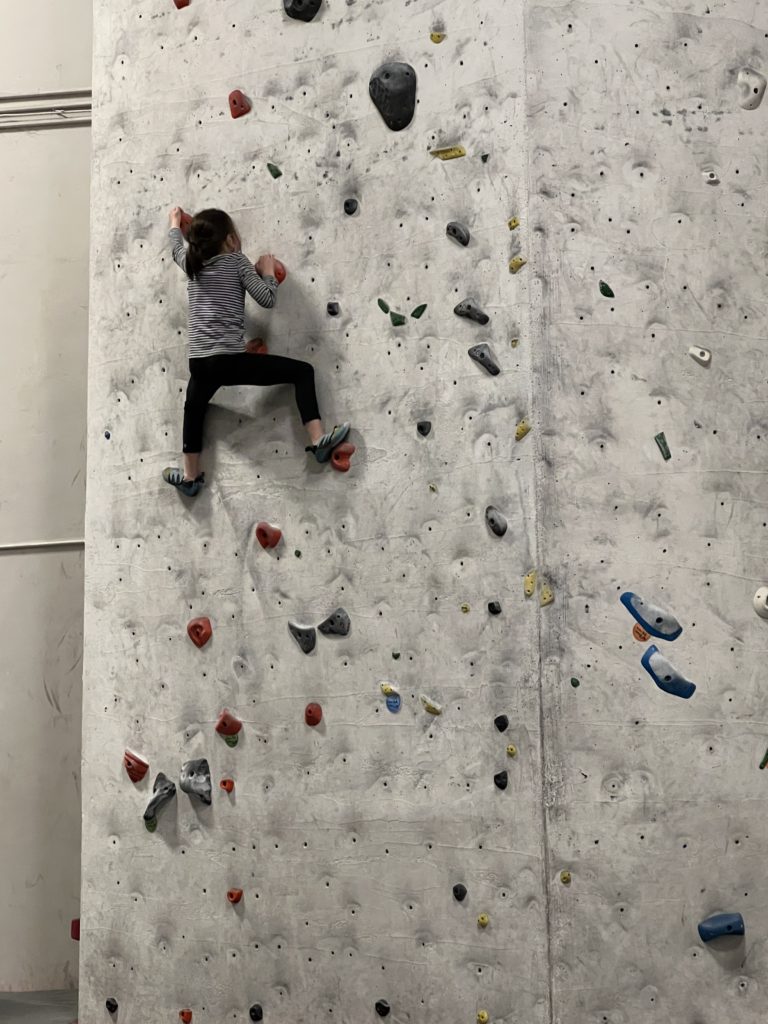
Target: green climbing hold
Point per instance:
(383, 306)
(297, 553)
(764, 762)
(231, 741)
(150, 824)
(606, 290)
(274, 171)
(419, 311)
(661, 441)
(397, 319)
(575, 683)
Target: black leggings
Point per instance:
(213, 372)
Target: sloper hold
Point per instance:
(665, 675)
(424, 427)
(459, 892)
(760, 602)
(501, 722)
(497, 522)
(457, 232)
(350, 207)
(238, 103)
(305, 636)
(200, 631)
(718, 925)
(501, 779)
(186, 224)
(228, 726)
(256, 1013)
(268, 536)
(195, 779)
(337, 624)
(393, 90)
(162, 793)
(467, 309)
(382, 1007)
(654, 620)
(135, 766)
(481, 354)
(111, 1005)
(301, 10)
(751, 85)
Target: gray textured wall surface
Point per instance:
(347, 839)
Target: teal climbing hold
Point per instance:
(397, 319)
(383, 306)
(606, 290)
(419, 311)
(274, 170)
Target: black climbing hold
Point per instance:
(501, 779)
(302, 10)
(337, 624)
(396, 655)
(383, 305)
(397, 319)
(575, 683)
(606, 290)
(470, 311)
(333, 308)
(196, 779)
(305, 637)
(112, 1005)
(496, 522)
(481, 354)
(494, 608)
(459, 892)
(501, 722)
(423, 427)
(107, 434)
(297, 553)
(393, 90)
(350, 207)
(418, 313)
(484, 157)
(274, 170)
(382, 1007)
(458, 232)
(256, 1012)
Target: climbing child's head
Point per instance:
(210, 234)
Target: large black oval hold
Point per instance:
(256, 1013)
(393, 91)
(111, 1005)
(302, 10)
(459, 892)
(382, 1007)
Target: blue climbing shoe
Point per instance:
(324, 447)
(175, 478)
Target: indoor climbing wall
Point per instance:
(356, 832)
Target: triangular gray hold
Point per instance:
(496, 522)
(337, 624)
(302, 10)
(482, 355)
(393, 90)
(163, 792)
(196, 779)
(305, 637)
(470, 311)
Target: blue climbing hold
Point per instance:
(717, 925)
(663, 625)
(394, 702)
(665, 675)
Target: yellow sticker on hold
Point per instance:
(547, 595)
(516, 263)
(522, 428)
(529, 583)
(437, 37)
(449, 152)
(431, 706)
(513, 223)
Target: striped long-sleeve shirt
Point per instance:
(216, 319)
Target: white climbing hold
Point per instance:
(529, 583)
(700, 355)
(751, 85)
(760, 602)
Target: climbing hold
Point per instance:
(135, 766)
(313, 714)
(388, 689)
(74, 929)
(430, 705)
(751, 85)
(565, 877)
(513, 223)
(459, 892)
(393, 703)
(196, 779)
(653, 620)
(457, 232)
(337, 624)
(661, 441)
(383, 305)
(393, 90)
(433, 488)
(606, 290)
(516, 263)
(484, 157)
(575, 682)
(501, 779)
(467, 309)
(465, 608)
(423, 427)
(764, 762)
(350, 207)
(760, 602)
(483, 920)
(665, 676)
(256, 347)
(522, 428)
(234, 895)
(342, 453)
(547, 595)
(395, 655)
(382, 1007)
(238, 103)
(256, 1013)
(199, 631)
(418, 313)
(111, 1005)
(482, 1017)
(436, 37)
(228, 785)
(482, 355)
(497, 523)
(448, 152)
(180, 4)
(302, 10)
(639, 633)
(185, 1016)
(494, 608)
(501, 722)
(397, 319)
(228, 726)
(186, 224)
(268, 536)
(333, 309)
(274, 170)
(717, 925)
(305, 636)
(280, 271)
(700, 355)
(511, 750)
(163, 792)
(529, 583)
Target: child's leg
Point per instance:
(203, 385)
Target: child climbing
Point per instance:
(219, 276)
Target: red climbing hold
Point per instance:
(227, 724)
(181, 3)
(342, 453)
(238, 104)
(74, 929)
(256, 347)
(313, 714)
(200, 631)
(280, 272)
(186, 224)
(268, 536)
(234, 895)
(227, 785)
(136, 766)
(185, 1016)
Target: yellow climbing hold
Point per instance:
(433, 488)
(565, 877)
(513, 223)
(465, 608)
(529, 583)
(516, 263)
(449, 152)
(389, 689)
(482, 1017)
(514, 342)
(483, 920)
(431, 706)
(547, 595)
(512, 750)
(522, 428)
(437, 37)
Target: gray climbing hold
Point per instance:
(163, 792)
(333, 309)
(337, 624)
(196, 779)
(459, 892)
(393, 90)
(467, 309)
(457, 232)
(496, 522)
(718, 925)
(501, 722)
(305, 637)
(482, 355)
(350, 207)
(665, 675)
(494, 608)
(501, 779)
(423, 427)
(751, 85)
(302, 10)
(654, 620)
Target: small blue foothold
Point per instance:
(721, 924)
(393, 703)
(655, 621)
(665, 675)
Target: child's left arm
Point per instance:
(177, 238)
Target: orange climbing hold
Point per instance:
(234, 895)
(135, 766)
(200, 631)
(227, 785)
(342, 453)
(280, 272)
(185, 1016)
(238, 103)
(639, 633)
(268, 536)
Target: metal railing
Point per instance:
(45, 110)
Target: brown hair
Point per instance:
(207, 234)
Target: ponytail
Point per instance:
(207, 234)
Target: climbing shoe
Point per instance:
(324, 447)
(175, 478)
